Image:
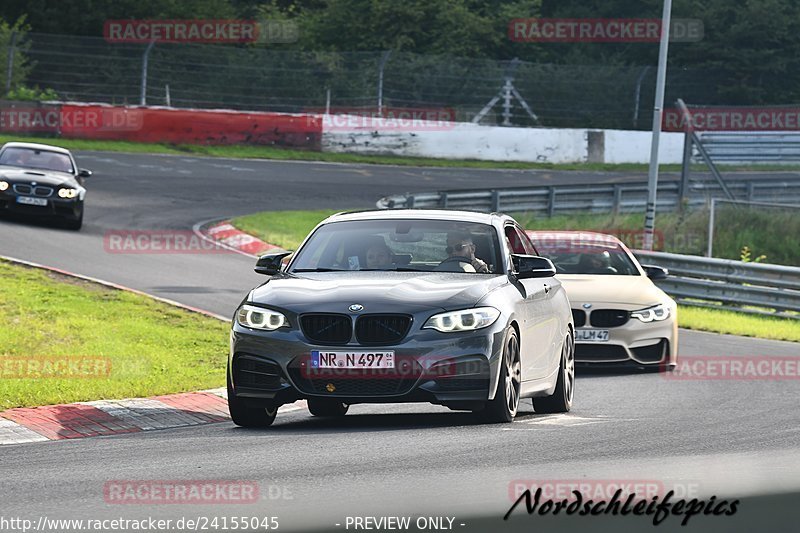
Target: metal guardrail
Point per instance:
(752, 147)
(727, 284)
(628, 197)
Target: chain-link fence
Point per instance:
(254, 77)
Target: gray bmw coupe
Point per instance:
(447, 307)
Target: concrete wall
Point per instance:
(471, 141)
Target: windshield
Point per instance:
(401, 245)
(40, 159)
(573, 255)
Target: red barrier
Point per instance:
(183, 126)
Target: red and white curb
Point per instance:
(231, 237)
(115, 417)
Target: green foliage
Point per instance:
(21, 67)
(745, 256)
(21, 92)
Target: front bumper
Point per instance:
(56, 206)
(634, 343)
(273, 368)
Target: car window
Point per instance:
(572, 255)
(39, 159)
(393, 245)
(515, 243)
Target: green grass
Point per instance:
(287, 154)
(764, 231)
(286, 229)
(153, 348)
(733, 323)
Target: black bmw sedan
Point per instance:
(42, 181)
(447, 307)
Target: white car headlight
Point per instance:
(68, 193)
(464, 320)
(656, 313)
(254, 317)
(3, 185)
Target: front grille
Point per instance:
(382, 329)
(327, 328)
(651, 354)
(255, 373)
(579, 317)
(609, 318)
(600, 352)
(39, 190)
(357, 382)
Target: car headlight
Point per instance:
(3, 185)
(68, 193)
(464, 320)
(254, 317)
(656, 313)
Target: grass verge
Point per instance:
(287, 229)
(286, 154)
(141, 346)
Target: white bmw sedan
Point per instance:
(620, 316)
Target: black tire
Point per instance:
(503, 408)
(561, 399)
(74, 223)
(249, 417)
(326, 407)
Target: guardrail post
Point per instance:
(551, 202)
(750, 190)
(617, 199)
(443, 200)
(495, 200)
(685, 170)
(410, 201)
(145, 61)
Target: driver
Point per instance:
(461, 250)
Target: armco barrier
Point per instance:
(727, 284)
(629, 197)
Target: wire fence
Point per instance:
(254, 77)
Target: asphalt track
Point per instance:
(711, 437)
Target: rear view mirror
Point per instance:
(532, 266)
(84, 173)
(270, 264)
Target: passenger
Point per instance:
(461, 251)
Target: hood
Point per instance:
(378, 292)
(632, 291)
(41, 177)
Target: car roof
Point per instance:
(426, 214)
(37, 146)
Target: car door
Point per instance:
(536, 333)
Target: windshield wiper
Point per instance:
(321, 269)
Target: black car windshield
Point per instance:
(400, 245)
(39, 159)
(585, 255)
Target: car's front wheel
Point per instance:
(249, 417)
(503, 408)
(561, 399)
(74, 223)
(326, 407)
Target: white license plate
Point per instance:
(376, 359)
(27, 200)
(591, 335)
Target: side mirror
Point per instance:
(532, 266)
(84, 173)
(270, 264)
(655, 272)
